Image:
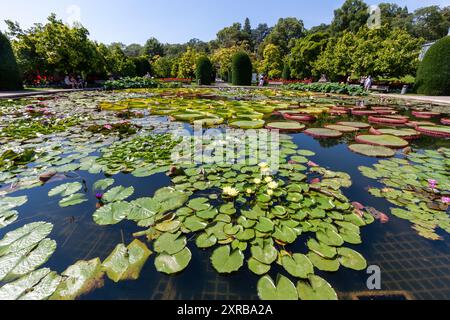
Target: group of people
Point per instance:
(75, 82)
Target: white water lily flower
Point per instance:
(230, 192)
(263, 165)
(270, 192)
(257, 181)
(268, 179)
(265, 170)
(273, 185)
(249, 191)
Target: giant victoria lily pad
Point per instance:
(435, 131)
(286, 126)
(341, 128)
(323, 133)
(248, 124)
(359, 125)
(372, 151)
(383, 141)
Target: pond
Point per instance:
(90, 189)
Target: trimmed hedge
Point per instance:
(433, 76)
(138, 83)
(204, 71)
(286, 72)
(242, 69)
(10, 77)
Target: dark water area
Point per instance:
(411, 266)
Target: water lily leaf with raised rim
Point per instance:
(125, 263)
(316, 288)
(284, 289)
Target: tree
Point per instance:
(204, 71)
(10, 77)
(395, 16)
(376, 52)
(272, 64)
(133, 50)
(242, 69)
(350, 17)
(431, 23)
(260, 34)
(162, 66)
(141, 65)
(187, 63)
(285, 32)
(433, 76)
(116, 62)
(231, 36)
(305, 53)
(153, 48)
(54, 48)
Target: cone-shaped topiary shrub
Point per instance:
(286, 72)
(10, 78)
(433, 76)
(242, 69)
(204, 71)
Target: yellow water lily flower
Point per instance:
(249, 191)
(263, 165)
(268, 179)
(270, 192)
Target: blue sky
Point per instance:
(174, 21)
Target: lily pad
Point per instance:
(316, 288)
(286, 126)
(171, 264)
(118, 194)
(247, 124)
(383, 140)
(170, 243)
(284, 289)
(72, 200)
(372, 151)
(79, 279)
(359, 125)
(37, 285)
(298, 265)
(125, 263)
(341, 128)
(323, 133)
(66, 189)
(351, 259)
(112, 213)
(224, 260)
(25, 237)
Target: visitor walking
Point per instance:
(261, 80)
(368, 83)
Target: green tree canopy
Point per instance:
(350, 17)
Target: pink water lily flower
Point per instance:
(446, 200)
(432, 183)
(312, 164)
(107, 127)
